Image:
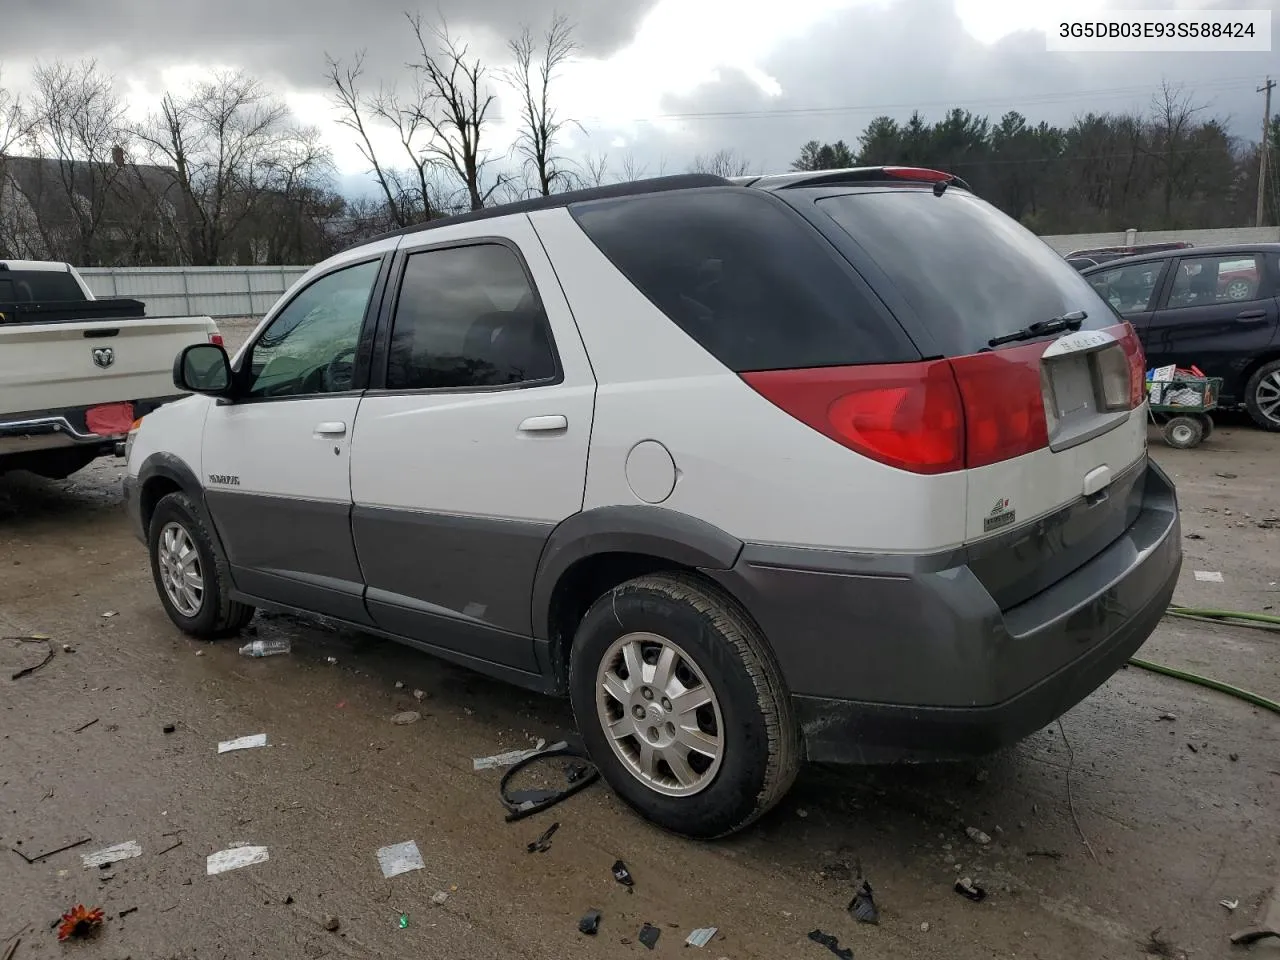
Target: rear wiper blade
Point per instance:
(1068, 321)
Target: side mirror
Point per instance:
(203, 368)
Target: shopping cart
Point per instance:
(1181, 404)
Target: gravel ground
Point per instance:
(1179, 814)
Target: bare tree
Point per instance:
(78, 134)
(228, 147)
(1172, 128)
(458, 101)
(15, 129)
(536, 64)
(410, 194)
(632, 169)
(595, 169)
(722, 163)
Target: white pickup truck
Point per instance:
(75, 371)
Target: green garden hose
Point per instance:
(1265, 621)
(1245, 695)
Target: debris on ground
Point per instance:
(1157, 946)
(399, 684)
(924, 927)
(623, 875)
(1253, 935)
(967, 888)
(831, 943)
(525, 803)
(862, 906)
(404, 920)
(49, 853)
(85, 726)
(1233, 757)
(1192, 748)
(331, 660)
(233, 858)
(977, 836)
(406, 717)
(169, 728)
(13, 948)
(701, 937)
(1047, 854)
(80, 921)
(576, 771)
(243, 743)
(590, 923)
(1209, 576)
(649, 935)
(127, 911)
(543, 843)
(110, 613)
(114, 854)
(27, 671)
(331, 923)
(508, 759)
(440, 898)
(399, 858)
(1168, 716)
(419, 695)
(802, 813)
(173, 846)
(1229, 904)
(265, 648)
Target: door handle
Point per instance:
(1252, 315)
(332, 428)
(544, 424)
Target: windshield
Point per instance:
(969, 272)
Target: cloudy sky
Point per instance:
(663, 80)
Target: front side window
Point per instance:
(1128, 289)
(468, 317)
(310, 347)
(1208, 280)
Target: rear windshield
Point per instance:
(38, 286)
(746, 277)
(969, 272)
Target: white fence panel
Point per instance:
(220, 292)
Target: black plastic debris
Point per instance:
(590, 924)
(967, 888)
(543, 843)
(649, 935)
(831, 943)
(863, 907)
(623, 875)
(525, 803)
(576, 771)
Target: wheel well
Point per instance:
(1250, 370)
(582, 584)
(153, 491)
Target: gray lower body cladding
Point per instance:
(925, 664)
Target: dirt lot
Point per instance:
(1179, 814)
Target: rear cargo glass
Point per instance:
(969, 272)
(38, 286)
(746, 277)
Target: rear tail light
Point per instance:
(1003, 403)
(216, 339)
(1132, 348)
(917, 173)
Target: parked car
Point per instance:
(1214, 307)
(840, 466)
(76, 371)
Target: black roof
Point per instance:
(683, 181)
(1216, 250)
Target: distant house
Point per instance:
(88, 212)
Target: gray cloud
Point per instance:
(917, 55)
(284, 38)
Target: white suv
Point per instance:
(844, 466)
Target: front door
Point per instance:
(1220, 314)
(471, 444)
(277, 461)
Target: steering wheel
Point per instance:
(340, 373)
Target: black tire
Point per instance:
(1206, 421)
(218, 615)
(761, 750)
(1266, 378)
(1183, 432)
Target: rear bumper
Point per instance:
(913, 661)
(38, 430)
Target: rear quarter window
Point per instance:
(967, 271)
(746, 277)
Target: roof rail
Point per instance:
(826, 178)
(682, 181)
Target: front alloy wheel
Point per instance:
(663, 717)
(180, 573)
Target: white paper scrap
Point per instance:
(399, 858)
(234, 858)
(243, 743)
(701, 937)
(121, 851)
(1209, 576)
(505, 759)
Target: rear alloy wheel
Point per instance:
(1183, 432)
(1262, 396)
(681, 705)
(1239, 290)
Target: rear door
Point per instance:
(1219, 314)
(961, 276)
(471, 444)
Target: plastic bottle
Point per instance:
(265, 648)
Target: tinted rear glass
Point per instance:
(746, 277)
(969, 272)
(38, 286)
